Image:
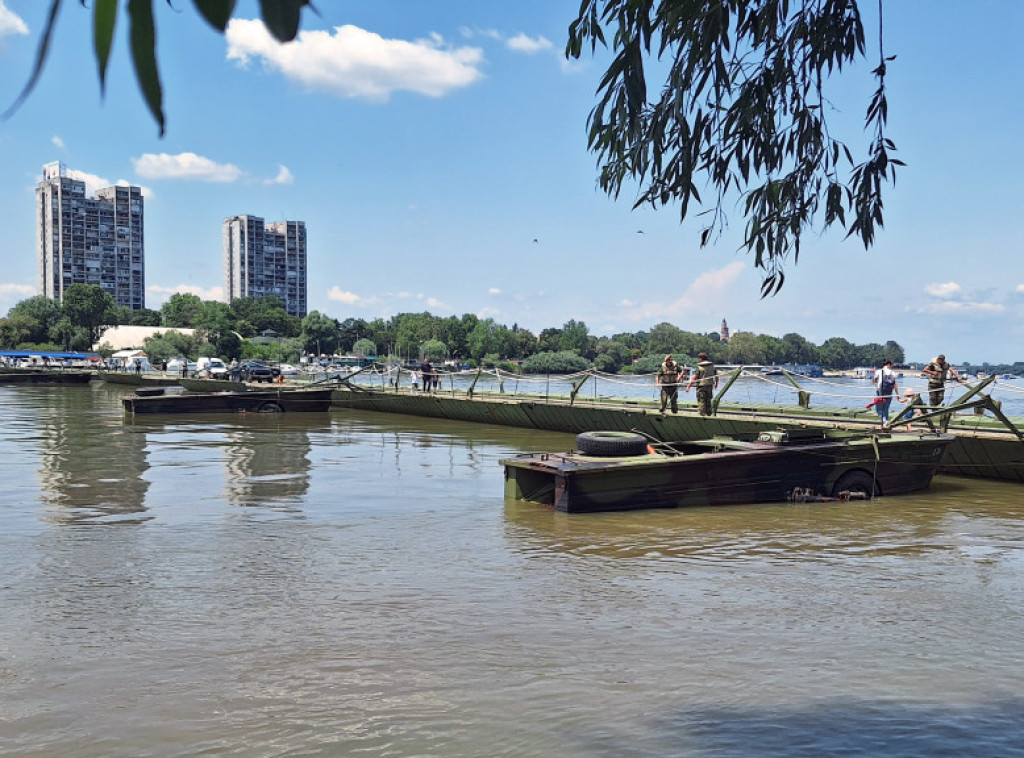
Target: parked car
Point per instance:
(174, 366)
(214, 368)
(258, 371)
(288, 369)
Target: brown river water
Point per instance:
(356, 584)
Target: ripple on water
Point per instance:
(359, 585)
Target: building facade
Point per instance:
(89, 240)
(265, 259)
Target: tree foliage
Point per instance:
(743, 110)
(320, 333)
(89, 306)
(43, 312)
(562, 362)
(364, 346)
(181, 310)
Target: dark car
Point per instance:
(258, 371)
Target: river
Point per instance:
(355, 584)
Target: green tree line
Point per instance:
(228, 330)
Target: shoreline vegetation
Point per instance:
(259, 328)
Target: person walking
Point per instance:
(886, 390)
(426, 375)
(937, 371)
(706, 379)
(668, 380)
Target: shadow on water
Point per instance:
(837, 728)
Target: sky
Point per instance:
(437, 153)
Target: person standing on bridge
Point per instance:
(668, 380)
(706, 379)
(936, 372)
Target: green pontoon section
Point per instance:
(985, 446)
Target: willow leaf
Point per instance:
(143, 39)
(216, 12)
(281, 17)
(104, 19)
(41, 53)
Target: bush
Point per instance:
(564, 362)
(650, 364)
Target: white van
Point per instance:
(214, 368)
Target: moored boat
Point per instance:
(252, 401)
(621, 471)
(44, 376)
(213, 385)
(131, 379)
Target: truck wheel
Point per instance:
(858, 484)
(270, 407)
(611, 443)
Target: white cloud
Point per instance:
(10, 22)
(57, 142)
(284, 176)
(1020, 289)
(469, 33)
(187, 166)
(94, 182)
(159, 295)
(355, 63)
(963, 309)
(706, 294)
(523, 44)
(943, 290)
(494, 291)
(341, 296)
(23, 290)
(708, 289)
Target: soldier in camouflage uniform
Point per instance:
(936, 372)
(706, 379)
(668, 380)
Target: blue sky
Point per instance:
(427, 145)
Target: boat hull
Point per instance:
(138, 380)
(253, 401)
(720, 472)
(43, 376)
(213, 385)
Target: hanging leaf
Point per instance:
(143, 42)
(216, 12)
(41, 52)
(104, 18)
(281, 17)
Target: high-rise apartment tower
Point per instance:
(89, 240)
(266, 259)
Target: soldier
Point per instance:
(668, 380)
(706, 379)
(936, 372)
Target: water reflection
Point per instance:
(979, 511)
(267, 467)
(91, 467)
(265, 457)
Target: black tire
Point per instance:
(856, 483)
(270, 407)
(611, 443)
